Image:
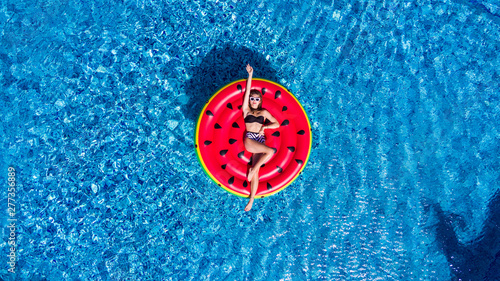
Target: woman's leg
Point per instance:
(254, 184)
(257, 147)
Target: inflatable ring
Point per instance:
(220, 132)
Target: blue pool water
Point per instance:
(99, 101)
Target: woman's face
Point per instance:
(255, 100)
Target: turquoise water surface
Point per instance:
(99, 101)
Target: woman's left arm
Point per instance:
(274, 123)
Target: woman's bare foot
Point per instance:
(249, 205)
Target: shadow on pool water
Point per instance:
(478, 260)
(219, 67)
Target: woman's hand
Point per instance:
(261, 132)
(249, 70)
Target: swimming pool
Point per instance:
(99, 102)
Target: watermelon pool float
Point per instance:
(220, 131)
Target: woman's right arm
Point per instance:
(247, 91)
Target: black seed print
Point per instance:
(223, 152)
(235, 125)
(276, 134)
(277, 94)
(241, 154)
(285, 122)
(300, 162)
(209, 113)
(217, 126)
(291, 148)
(301, 132)
(231, 141)
(207, 142)
(229, 105)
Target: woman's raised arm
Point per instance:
(247, 91)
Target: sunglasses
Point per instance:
(254, 99)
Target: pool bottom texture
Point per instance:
(99, 103)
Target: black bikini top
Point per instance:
(253, 119)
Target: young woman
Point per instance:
(255, 140)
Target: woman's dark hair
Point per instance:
(258, 93)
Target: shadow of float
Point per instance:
(219, 67)
(478, 260)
